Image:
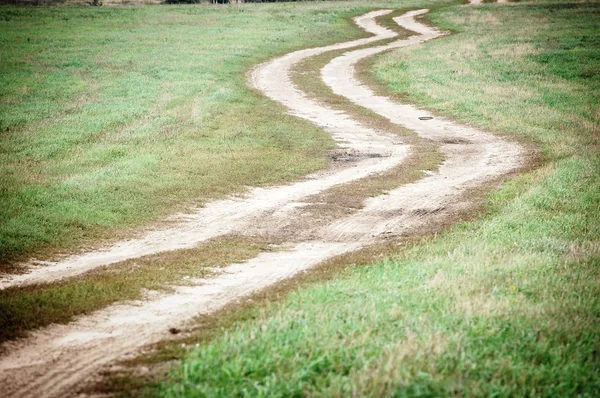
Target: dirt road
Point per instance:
(373, 151)
(55, 361)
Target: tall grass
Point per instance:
(505, 305)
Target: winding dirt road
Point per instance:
(56, 360)
(373, 151)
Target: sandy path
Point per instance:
(53, 361)
(374, 151)
(472, 156)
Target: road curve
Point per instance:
(374, 152)
(472, 156)
(54, 361)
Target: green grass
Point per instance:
(23, 309)
(506, 305)
(112, 118)
(28, 308)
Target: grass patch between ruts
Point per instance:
(506, 305)
(23, 309)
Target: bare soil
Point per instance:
(57, 361)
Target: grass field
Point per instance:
(99, 139)
(505, 305)
(117, 193)
(115, 117)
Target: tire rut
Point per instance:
(56, 360)
(472, 156)
(374, 152)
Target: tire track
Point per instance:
(53, 362)
(373, 152)
(472, 156)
